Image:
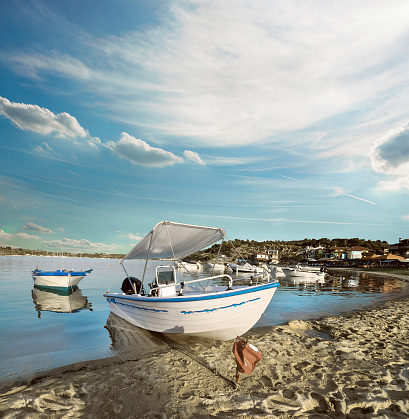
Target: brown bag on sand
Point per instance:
(246, 356)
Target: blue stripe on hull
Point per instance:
(211, 310)
(213, 296)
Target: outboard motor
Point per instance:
(130, 284)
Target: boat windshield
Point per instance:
(165, 275)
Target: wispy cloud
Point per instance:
(5, 236)
(215, 160)
(136, 237)
(192, 155)
(36, 65)
(27, 236)
(34, 227)
(82, 244)
(235, 72)
(286, 220)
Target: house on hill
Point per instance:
(400, 249)
(267, 257)
(357, 252)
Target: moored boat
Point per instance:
(245, 268)
(215, 309)
(58, 279)
(299, 272)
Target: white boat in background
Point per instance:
(216, 309)
(59, 301)
(300, 272)
(190, 266)
(300, 280)
(309, 268)
(216, 267)
(245, 268)
(64, 278)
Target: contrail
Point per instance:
(365, 200)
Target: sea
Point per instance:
(45, 329)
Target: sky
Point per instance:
(272, 119)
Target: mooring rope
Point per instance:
(173, 345)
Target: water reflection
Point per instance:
(302, 281)
(362, 282)
(60, 301)
(126, 337)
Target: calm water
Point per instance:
(41, 330)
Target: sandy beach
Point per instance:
(354, 366)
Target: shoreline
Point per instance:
(355, 365)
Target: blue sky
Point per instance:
(275, 120)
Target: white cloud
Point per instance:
(82, 244)
(134, 237)
(27, 236)
(236, 72)
(41, 120)
(192, 155)
(390, 156)
(239, 72)
(405, 217)
(94, 142)
(5, 236)
(230, 161)
(31, 226)
(141, 153)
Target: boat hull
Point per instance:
(57, 281)
(295, 273)
(217, 315)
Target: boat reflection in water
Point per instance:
(126, 337)
(58, 300)
(319, 280)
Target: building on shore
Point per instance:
(400, 249)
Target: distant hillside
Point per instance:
(18, 251)
(287, 249)
(234, 249)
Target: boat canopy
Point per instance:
(170, 240)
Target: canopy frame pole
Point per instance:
(147, 258)
(217, 256)
(126, 273)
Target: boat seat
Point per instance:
(164, 278)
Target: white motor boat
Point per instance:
(299, 272)
(245, 268)
(217, 309)
(189, 266)
(58, 279)
(217, 267)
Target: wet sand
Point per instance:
(353, 366)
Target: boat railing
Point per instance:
(255, 277)
(191, 281)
